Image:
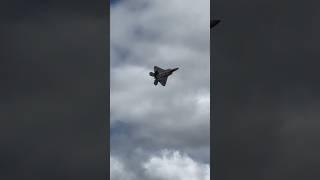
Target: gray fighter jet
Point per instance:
(161, 75)
(213, 23)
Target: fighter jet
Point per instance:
(213, 23)
(161, 75)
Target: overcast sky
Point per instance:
(160, 133)
(53, 90)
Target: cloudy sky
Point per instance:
(54, 56)
(160, 133)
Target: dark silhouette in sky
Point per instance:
(161, 75)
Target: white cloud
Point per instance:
(171, 165)
(168, 34)
(118, 170)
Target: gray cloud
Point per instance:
(147, 118)
(118, 170)
(170, 165)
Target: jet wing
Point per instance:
(156, 68)
(163, 81)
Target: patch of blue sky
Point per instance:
(119, 127)
(113, 2)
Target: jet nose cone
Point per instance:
(175, 69)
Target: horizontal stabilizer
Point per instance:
(163, 81)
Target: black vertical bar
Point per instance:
(54, 90)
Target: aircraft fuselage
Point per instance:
(161, 75)
(165, 73)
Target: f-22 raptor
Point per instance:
(161, 75)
